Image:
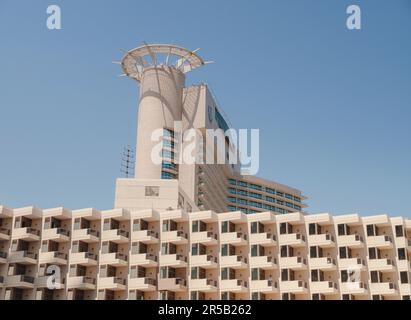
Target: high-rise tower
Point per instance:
(160, 69)
(163, 179)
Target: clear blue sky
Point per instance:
(333, 105)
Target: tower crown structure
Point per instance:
(160, 70)
(137, 60)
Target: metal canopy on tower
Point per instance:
(137, 60)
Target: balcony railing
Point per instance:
(301, 260)
(152, 257)
(121, 256)
(31, 255)
(332, 285)
(241, 235)
(181, 258)
(89, 280)
(211, 282)
(211, 234)
(89, 255)
(272, 283)
(271, 237)
(120, 281)
(212, 258)
(242, 283)
(121, 232)
(181, 282)
(241, 259)
(150, 281)
(27, 279)
(60, 255)
(3, 255)
(182, 234)
(302, 284)
(299, 236)
(63, 232)
(5, 231)
(33, 231)
(272, 259)
(93, 232)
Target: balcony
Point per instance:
(321, 240)
(86, 259)
(23, 257)
(20, 281)
(86, 235)
(205, 238)
(294, 286)
(4, 234)
(294, 263)
(204, 261)
(352, 264)
(356, 288)
(235, 285)
(173, 260)
(264, 286)
(26, 234)
(144, 259)
(325, 263)
(203, 285)
(57, 235)
(324, 287)
(3, 257)
(58, 258)
(263, 262)
(172, 284)
(114, 259)
(81, 283)
(381, 242)
(263, 239)
(42, 282)
(145, 236)
(383, 288)
(292, 239)
(353, 241)
(112, 283)
(142, 284)
(234, 238)
(1, 281)
(386, 265)
(175, 237)
(117, 236)
(235, 262)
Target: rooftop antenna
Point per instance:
(127, 162)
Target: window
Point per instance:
(401, 254)
(152, 191)
(317, 275)
(344, 276)
(375, 276)
(286, 228)
(404, 276)
(257, 251)
(316, 252)
(227, 226)
(373, 253)
(257, 227)
(399, 231)
(371, 230)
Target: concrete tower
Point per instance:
(160, 70)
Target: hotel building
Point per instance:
(197, 231)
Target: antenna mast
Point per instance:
(127, 162)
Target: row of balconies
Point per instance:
(205, 285)
(208, 238)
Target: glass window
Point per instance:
(404, 276)
(401, 254)
(399, 231)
